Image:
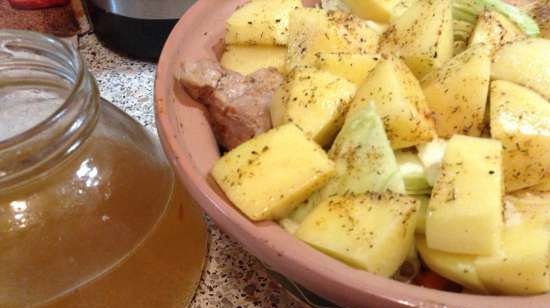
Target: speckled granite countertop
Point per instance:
(232, 277)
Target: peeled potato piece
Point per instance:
(520, 118)
(355, 67)
(399, 101)
(422, 36)
(248, 59)
(494, 29)
(459, 268)
(378, 10)
(314, 100)
(373, 232)
(268, 176)
(521, 265)
(260, 22)
(312, 31)
(465, 211)
(457, 92)
(525, 62)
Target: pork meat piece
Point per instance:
(238, 105)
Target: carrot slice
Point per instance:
(432, 280)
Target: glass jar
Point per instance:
(90, 211)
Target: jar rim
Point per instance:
(7, 35)
(42, 145)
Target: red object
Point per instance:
(432, 280)
(36, 4)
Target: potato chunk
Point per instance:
(315, 101)
(269, 175)
(465, 211)
(520, 118)
(248, 59)
(521, 265)
(494, 29)
(399, 101)
(314, 30)
(372, 231)
(459, 268)
(260, 22)
(353, 66)
(525, 62)
(457, 92)
(422, 36)
(378, 10)
(527, 207)
(422, 212)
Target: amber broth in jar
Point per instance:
(56, 238)
(91, 214)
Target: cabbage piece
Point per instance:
(365, 162)
(413, 173)
(469, 10)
